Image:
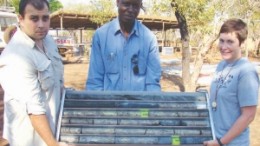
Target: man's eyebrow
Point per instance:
(39, 16)
(32, 15)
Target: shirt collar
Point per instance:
(23, 36)
(116, 27)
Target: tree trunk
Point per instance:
(207, 44)
(258, 48)
(247, 40)
(185, 50)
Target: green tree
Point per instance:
(2, 2)
(249, 11)
(102, 11)
(15, 4)
(193, 16)
(78, 8)
(55, 5)
(200, 20)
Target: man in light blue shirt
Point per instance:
(124, 55)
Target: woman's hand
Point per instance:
(63, 144)
(211, 143)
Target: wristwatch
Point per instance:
(219, 142)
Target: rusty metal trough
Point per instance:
(135, 118)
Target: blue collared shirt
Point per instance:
(114, 57)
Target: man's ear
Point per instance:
(20, 17)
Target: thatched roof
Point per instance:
(72, 20)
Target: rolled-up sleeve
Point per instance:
(20, 82)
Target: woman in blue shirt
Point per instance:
(234, 88)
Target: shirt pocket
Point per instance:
(46, 77)
(112, 71)
(58, 65)
(112, 65)
(57, 58)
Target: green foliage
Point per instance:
(101, 11)
(15, 4)
(155, 7)
(55, 5)
(78, 8)
(2, 2)
(196, 12)
(247, 10)
(204, 17)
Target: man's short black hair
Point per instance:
(38, 4)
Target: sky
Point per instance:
(67, 2)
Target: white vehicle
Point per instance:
(7, 18)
